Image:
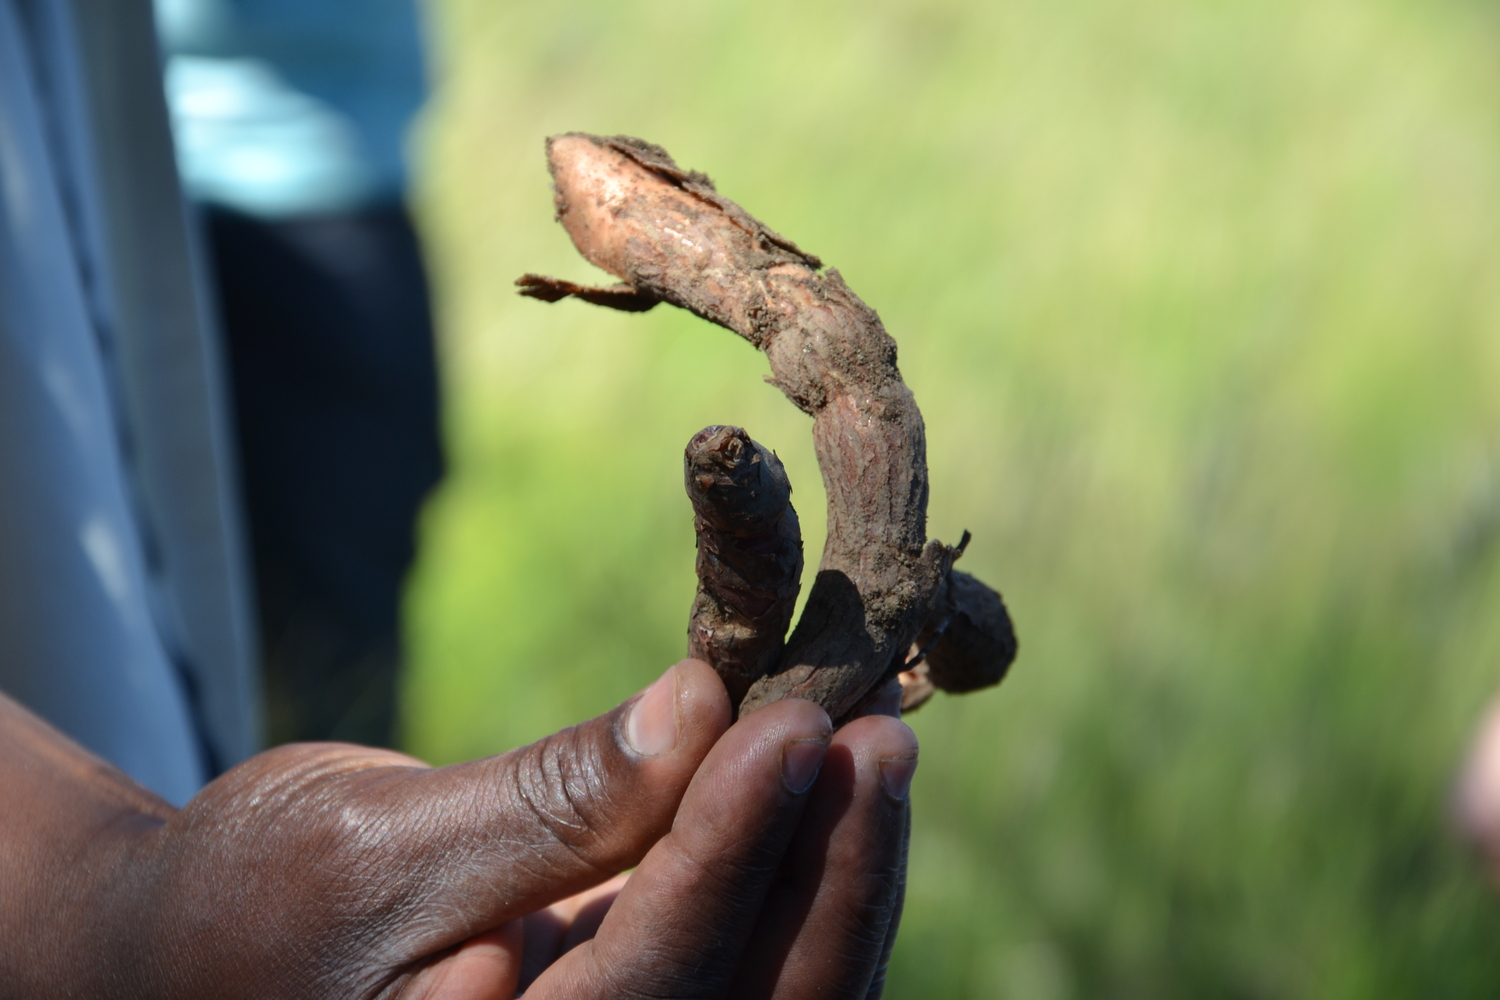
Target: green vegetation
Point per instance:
(1201, 301)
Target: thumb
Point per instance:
(484, 842)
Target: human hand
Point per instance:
(322, 870)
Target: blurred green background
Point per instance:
(1200, 300)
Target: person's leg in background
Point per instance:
(334, 379)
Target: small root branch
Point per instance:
(621, 297)
(749, 555)
(670, 237)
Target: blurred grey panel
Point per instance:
(123, 602)
(171, 381)
(78, 643)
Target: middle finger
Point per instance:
(683, 920)
(825, 926)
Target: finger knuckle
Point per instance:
(560, 784)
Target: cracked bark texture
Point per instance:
(669, 236)
(749, 555)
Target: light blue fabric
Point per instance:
(78, 642)
(292, 107)
(124, 608)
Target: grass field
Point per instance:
(1201, 301)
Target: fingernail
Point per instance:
(651, 728)
(895, 776)
(800, 762)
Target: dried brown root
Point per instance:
(669, 236)
(621, 297)
(749, 555)
(967, 643)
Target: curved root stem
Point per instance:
(670, 237)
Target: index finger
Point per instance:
(683, 920)
(826, 925)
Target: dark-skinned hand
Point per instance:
(770, 854)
